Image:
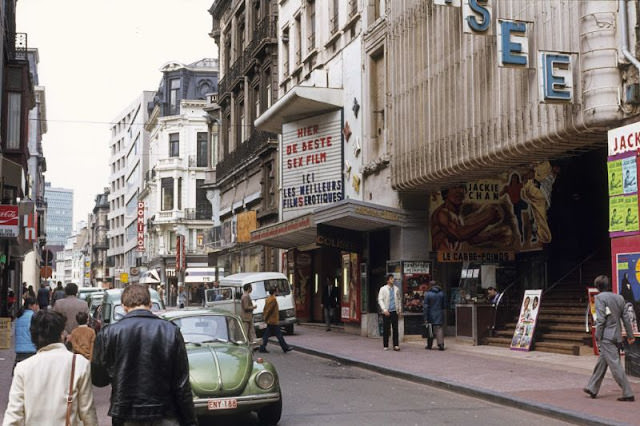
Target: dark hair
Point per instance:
(246, 287)
(46, 328)
(136, 295)
(272, 290)
(82, 317)
(28, 301)
(389, 276)
(602, 283)
(71, 289)
(492, 288)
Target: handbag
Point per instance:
(70, 395)
(427, 331)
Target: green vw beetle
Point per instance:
(225, 377)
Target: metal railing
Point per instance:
(18, 49)
(244, 151)
(353, 8)
(577, 267)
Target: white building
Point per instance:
(180, 161)
(128, 164)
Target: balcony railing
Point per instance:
(353, 8)
(333, 25)
(18, 49)
(256, 141)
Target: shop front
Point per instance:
(347, 244)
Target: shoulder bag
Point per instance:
(70, 395)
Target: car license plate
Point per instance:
(222, 404)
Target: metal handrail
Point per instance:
(572, 270)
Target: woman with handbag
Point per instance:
(63, 378)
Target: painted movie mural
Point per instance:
(507, 214)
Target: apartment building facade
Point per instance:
(245, 190)
(128, 162)
(175, 209)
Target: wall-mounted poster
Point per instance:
(616, 214)
(491, 219)
(628, 284)
(523, 336)
(614, 169)
(629, 175)
(631, 213)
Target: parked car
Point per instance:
(111, 309)
(225, 377)
(84, 292)
(261, 282)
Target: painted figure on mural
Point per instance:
(457, 222)
(513, 190)
(537, 192)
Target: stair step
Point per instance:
(562, 310)
(561, 337)
(497, 341)
(561, 318)
(556, 347)
(561, 327)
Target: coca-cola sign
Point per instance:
(9, 221)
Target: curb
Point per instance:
(534, 407)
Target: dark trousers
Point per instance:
(275, 330)
(390, 322)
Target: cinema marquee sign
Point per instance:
(555, 69)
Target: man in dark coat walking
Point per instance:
(433, 308)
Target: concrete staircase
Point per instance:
(560, 327)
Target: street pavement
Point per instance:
(545, 383)
(540, 382)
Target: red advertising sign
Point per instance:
(140, 226)
(8, 221)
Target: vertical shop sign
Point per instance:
(181, 256)
(350, 300)
(140, 226)
(523, 336)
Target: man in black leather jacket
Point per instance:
(144, 359)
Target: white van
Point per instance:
(261, 282)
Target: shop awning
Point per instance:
(149, 277)
(299, 102)
(348, 214)
(200, 275)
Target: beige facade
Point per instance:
(457, 113)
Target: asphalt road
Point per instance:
(318, 391)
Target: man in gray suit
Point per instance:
(609, 311)
(70, 306)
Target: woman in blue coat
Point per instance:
(433, 308)
(24, 346)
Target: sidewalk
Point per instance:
(541, 382)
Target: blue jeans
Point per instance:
(275, 330)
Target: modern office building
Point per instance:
(129, 141)
(59, 214)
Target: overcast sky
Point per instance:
(96, 56)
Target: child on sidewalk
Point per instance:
(82, 337)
